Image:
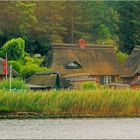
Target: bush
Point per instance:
(16, 84)
(29, 69)
(16, 66)
(89, 85)
(15, 49)
(33, 60)
(121, 56)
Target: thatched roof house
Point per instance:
(45, 80)
(132, 66)
(92, 63)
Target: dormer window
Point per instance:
(73, 65)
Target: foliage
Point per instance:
(38, 23)
(31, 65)
(15, 65)
(25, 16)
(88, 85)
(14, 49)
(29, 69)
(121, 56)
(38, 42)
(100, 102)
(33, 60)
(17, 84)
(129, 24)
(102, 32)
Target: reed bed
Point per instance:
(99, 102)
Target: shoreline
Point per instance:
(36, 115)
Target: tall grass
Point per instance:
(106, 102)
(17, 84)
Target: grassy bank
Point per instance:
(100, 102)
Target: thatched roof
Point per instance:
(47, 80)
(132, 64)
(93, 59)
(15, 73)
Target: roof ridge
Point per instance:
(137, 48)
(77, 45)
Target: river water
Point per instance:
(70, 129)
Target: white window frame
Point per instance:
(107, 80)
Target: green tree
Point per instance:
(38, 42)
(15, 49)
(50, 17)
(129, 24)
(26, 18)
(102, 32)
(99, 15)
(73, 21)
(16, 66)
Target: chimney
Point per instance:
(82, 43)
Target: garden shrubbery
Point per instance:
(88, 85)
(24, 63)
(16, 66)
(17, 84)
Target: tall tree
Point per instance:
(50, 16)
(129, 24)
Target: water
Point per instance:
(70, 129)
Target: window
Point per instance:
(73, 65)
(107, 80)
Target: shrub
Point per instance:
(33, 60)
(16, 66)
(88, 85)
(16, 84)
(121, 56)
(29, 69)
(15, 49)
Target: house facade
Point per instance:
(131, 69)
(95, 63)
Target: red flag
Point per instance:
(5, 67)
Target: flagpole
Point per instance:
(10, 77)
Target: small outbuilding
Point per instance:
(47, 81)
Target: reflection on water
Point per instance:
(70, 129)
